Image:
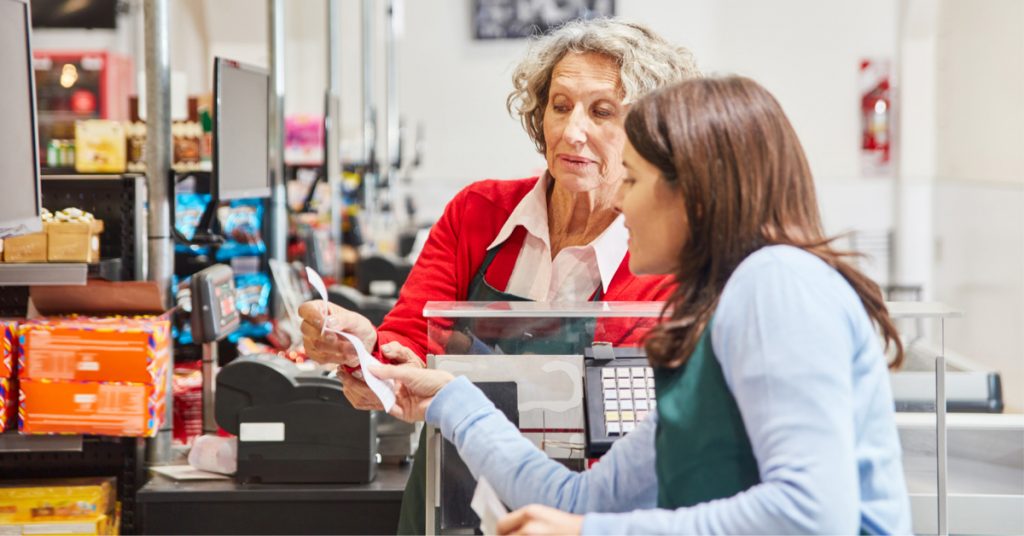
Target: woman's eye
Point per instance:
(603, 112)
(560, 108)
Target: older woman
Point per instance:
(556, 237)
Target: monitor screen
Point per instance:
(74, 14)
(19, 161)
(240, 131)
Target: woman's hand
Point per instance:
(414, 387)
(326, 347)
(359, 394)
(537, 519)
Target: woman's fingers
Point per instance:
(400, 355)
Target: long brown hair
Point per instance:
(726, 146)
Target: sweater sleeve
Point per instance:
(434, 277)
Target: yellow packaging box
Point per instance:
(95, 525)
(57, 499)
(25, 248)
(73, 241)
(99, 146)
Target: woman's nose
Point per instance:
(576, 128)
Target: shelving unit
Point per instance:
(43, 274)
(12, 442)
(119, 200)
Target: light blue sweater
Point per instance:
(806, 367)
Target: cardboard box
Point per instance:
(57, 499)
(113, 349)
(73, 241)
(102, 408)
(8, 347)
(26, 248)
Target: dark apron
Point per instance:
(570, 336)
(702, 451)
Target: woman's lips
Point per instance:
(575, 161)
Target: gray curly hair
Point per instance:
(646, 62)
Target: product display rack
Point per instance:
(118, 200)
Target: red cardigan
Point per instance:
(455, 250)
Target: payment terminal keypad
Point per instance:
(620, 395)
(628, 394)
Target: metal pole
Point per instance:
(209, 374)
(940, 432)
(158, 168)
(278, 244)
(369, 118)
(332, 138)
(391, 94)
(899, 185)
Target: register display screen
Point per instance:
(19, 161)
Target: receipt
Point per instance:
(488, 506)
(384, 389)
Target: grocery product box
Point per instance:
(8, 404)
(53, 499)
(8, 347)
(81, 348)
(100, 146)
(73, 241)
(102, 408)
(94, 525)
(25, 248)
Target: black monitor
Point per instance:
(241, 123)
(241, 140)
(19, 141)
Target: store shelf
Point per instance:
(14, 442)
(914, 309)
(43, 274)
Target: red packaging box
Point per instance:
(9, 350)
(8, 407)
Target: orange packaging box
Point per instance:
(9, 349)
(102, 408)
(7, 404)
(114, 349)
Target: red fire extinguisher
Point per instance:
(875, 109)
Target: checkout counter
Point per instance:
(547, 368)
(573, 378)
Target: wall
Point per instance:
(979, 197)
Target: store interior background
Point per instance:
(956, 202)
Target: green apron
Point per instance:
(571, 337)
(702, 451)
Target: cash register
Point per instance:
(294, 425)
